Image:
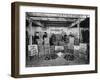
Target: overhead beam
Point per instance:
(38, 14)
(77, 22)
(52, 19)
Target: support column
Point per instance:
(79, 35)
(30, 28)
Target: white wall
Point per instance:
(74, 31)
(5, 40)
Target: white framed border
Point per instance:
(53, 69)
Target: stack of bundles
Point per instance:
(71, 40)
(71, 45)
(59, 40)
(69, 56)
(56, 43)
(53, 55)
(76, 51)
(83, 50)
(50, 52)
(65, 49)
(61, 43)
(76, 41)
(70, 48)
(46, 50)
(52, 49)
(41, 51)
(46, 41)
(32, 51)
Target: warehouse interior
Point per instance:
(56, 39)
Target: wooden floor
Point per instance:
(59, 60)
